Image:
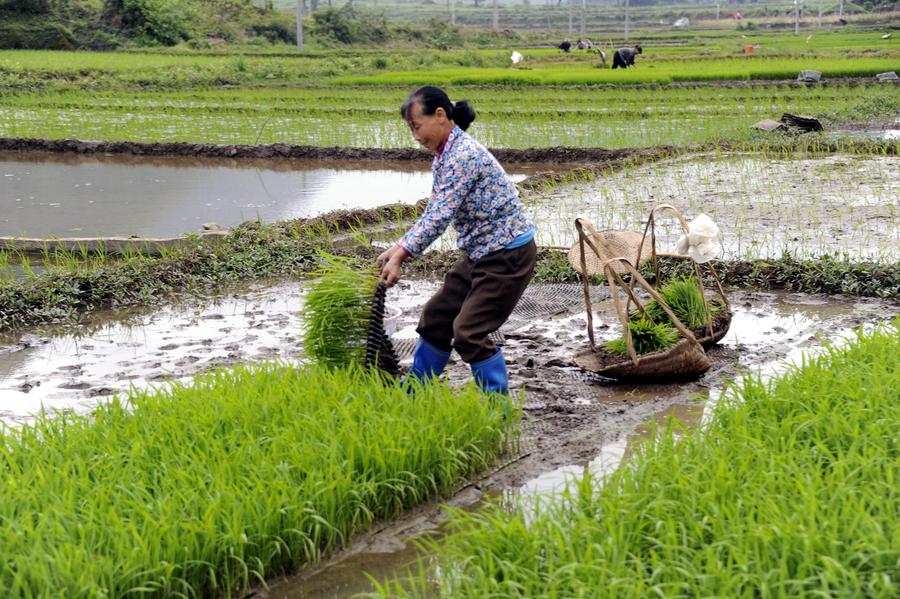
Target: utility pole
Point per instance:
(583, 18)
(796, 17)
(496, 15)
(627, 18)
(571, 21)
(299, 24)
(841, 8)
(452, 5)
(718, 9)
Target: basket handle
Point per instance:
(580, 225)
(615, 278)
(698, 276)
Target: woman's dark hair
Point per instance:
(431, 98)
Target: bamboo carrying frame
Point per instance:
(687, 357)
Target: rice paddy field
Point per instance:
(166, 432)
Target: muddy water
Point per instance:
(764, 205)
(572, 423)
(769, 331)
(53, 195)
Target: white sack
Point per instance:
(702, 241)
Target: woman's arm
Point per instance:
(446, 198)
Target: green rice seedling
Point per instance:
(202, 490)
(336, 312)
(790, 490)
(646, 336)
(684, 299)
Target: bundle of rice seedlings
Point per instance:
(647, 338)
(684, 299)
(337, 312)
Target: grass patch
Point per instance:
(790, 491)
(203, 490)
(661, 72)
(822, 274)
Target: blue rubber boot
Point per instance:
(491, 374)
(428, 361)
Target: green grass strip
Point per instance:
(793, 490)
(660, 72)
(205, 489)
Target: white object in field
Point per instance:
(702, 240)
(516, 58)
(391, 315)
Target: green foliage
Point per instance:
(336, 312)
(346, 25)
(788, 490)
(35, 33)
(204, 490)
(26, 6)
(683, 297)
(163, 21)
(441, 34)
(646, 336)
(823, 274)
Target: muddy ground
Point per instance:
(572, 419)
(575, 421)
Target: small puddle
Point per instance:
(56, 195)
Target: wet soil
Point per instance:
(280, 151)
(573, 420)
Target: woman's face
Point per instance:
(430, 130)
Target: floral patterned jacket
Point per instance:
(471, 190)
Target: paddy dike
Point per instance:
(571, 418)
(280, 151)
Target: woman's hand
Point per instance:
(391, 261)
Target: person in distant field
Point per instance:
(472, 191)
(602, 56)
(584, 44)
(624, 57)
(565, 46)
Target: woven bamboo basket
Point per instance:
(686, 359)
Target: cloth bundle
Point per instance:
(702, 241)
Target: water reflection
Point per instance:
(65, 196)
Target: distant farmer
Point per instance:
(624, 57)
(471, 191)
(565, 46)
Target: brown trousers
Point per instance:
(476, 299)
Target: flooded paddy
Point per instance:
(764, 205)
(54, 195)
(573, 422)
